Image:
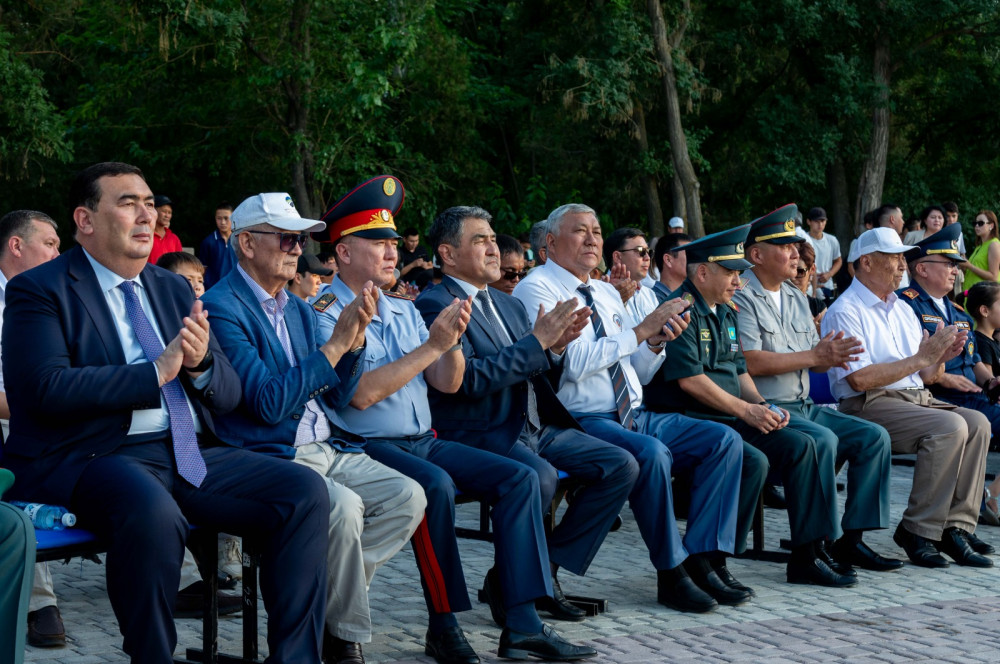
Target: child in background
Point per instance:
(188, 266)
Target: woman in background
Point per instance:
(984, 263)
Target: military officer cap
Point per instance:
(367, 211)
(943, 243)
(725, 249)
(776, 227)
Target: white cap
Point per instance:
(882, 239)
(276, 209)
(675, 222)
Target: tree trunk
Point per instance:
(873, 175)
(675, 130)
(298, 91)
(840, 212)
(654, 212)
(680, 210)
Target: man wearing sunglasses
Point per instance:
(511, 264)
(627, 247)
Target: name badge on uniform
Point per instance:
(930, 319)
(962, 324)
(971, 348)
(705, 334)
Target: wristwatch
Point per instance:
(205, 364)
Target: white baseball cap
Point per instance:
(675, 222)
(276, 209)
(882, 240)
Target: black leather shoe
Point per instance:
(339, 651)
(45, 628)
(558, 606)
(730, 580)
(450, 647)
(190, 602)
(709, 580)
(978, 545)
(494, 597)
(842, 568)
(774, 497)
(919, 550)
(682, 594)
(817, 573)
(954, 545)
(546, 645)
(862, 555)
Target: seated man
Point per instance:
(123, 353)
(512, 268)
(390, 408)
(506, 404)
(17, 562)
(627, 247)
(933, 266)
(886, 384)
(603, 371)
(270, 338)
(781, 346)
(707, 376)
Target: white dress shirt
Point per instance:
(888, 330)
(585, 386)
(641, 304)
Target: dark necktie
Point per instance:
(486, 305)
(190, 464)
(618, 383)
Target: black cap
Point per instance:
(816, 213)
(310, 263)
(776, 227)
(944, 243)
(160, 200)
(725, 248)
(367, 211)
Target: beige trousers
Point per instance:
(950, 444)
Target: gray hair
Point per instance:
(554, 221)
(235, 242)
(447, 226)
(19, 223)
(537, 237)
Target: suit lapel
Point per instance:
(477, 315)
(167, 318)
(243, 293)
(87, 288)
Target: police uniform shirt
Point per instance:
(585, 385)
(888, 330)
(710, 345)
(930, 314)
(395, 330)
(790, 330)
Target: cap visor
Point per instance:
(736, 264)
(298, 225)
(378, 234)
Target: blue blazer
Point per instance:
(274, 392)
(490, 409)
(70, 392)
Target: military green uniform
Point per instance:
(17, 566)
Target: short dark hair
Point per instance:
(982, 294)
(509, 245)
(224, 205)
(324, 256)
(926, 212)
(447, 226)
(410, 232)
(84, 190)
(950, 206)
(617, 240)
(884, 213)
(871, 218)
(173, 260)
(665, 244)
(18, 222)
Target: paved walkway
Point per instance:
(913, 615)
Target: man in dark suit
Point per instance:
(506, 404)
(113, 377)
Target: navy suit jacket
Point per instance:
(490, 409)
(70, 392)
(274, 392)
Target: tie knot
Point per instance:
(588, 297)
(128, 287)
(483, 297)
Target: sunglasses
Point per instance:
(288, 240)
(512, 275)
(800, 271)
(642, 251)
(980, 223)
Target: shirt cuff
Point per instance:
(201, 381)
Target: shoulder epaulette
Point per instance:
(910, 293)
(324, 301)
(733, 305)
(399, 296)
(959, 307)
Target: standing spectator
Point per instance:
(984, 263)
(308, 277)
(215, 251)
(512, 264)
(527, 252)
(827, 248)
(931, 221)
(675, 225)
(671, 261)
(414, 263)
(164, 240)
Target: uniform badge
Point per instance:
(618, 320)
(732, 333)
(688, 297)
(385, 213)
(962, 325)
(398, 296)
(743, 282)
(732, 305)
(910, 293)
(930, 319)
(739, 247)
(324, 302)
(389, 186)
(705, 335)
(288, 199)
(733, 348)
(790, 225)
(971, 348)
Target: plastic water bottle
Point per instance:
(47, 517)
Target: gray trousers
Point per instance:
(17, 562)
(374, 510)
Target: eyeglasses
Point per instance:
(288, 240)
(511, 275)
(952, 265)
(641, 251)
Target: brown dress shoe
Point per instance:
(45, 628)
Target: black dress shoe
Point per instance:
(190, 602)
(558, 606)
(339, 651)
(774, 497)
(681, 594)
(45, 628)
(861, 555)
(730, 580)
(494, 597)
(709, 580)
(450, 647)
(955, 546)
(840, 567)
(817, 573)
(546, 645)
(919, 550)
(978, 545)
